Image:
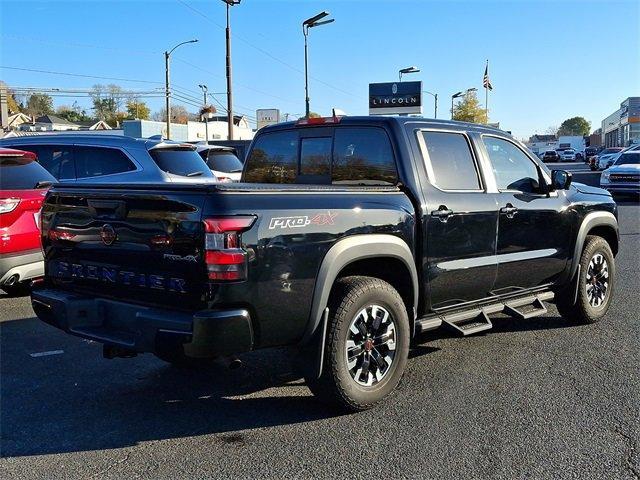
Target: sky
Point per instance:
(548, 60)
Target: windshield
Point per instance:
(610, 150)
(224, 162)
(629, 158)
(183, 162)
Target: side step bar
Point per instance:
(468, 322)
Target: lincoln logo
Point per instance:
(107, 234)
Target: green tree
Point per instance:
(469, 109)
(575, 126)
(107, 102)
(137, 109)
(39, 104)
(73, 113)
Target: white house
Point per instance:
(49, 123)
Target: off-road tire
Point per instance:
(582, 311)
(336, 386)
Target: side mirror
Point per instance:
(560, 179)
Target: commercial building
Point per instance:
(192, 131)
(622, 127)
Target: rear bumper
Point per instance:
(26, 265)
(204, 334)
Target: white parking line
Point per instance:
(46, 354)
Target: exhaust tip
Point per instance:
(12, 280)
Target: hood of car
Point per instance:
(582, 188)
(628, 168)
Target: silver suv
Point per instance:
(114, 158)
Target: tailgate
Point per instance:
(138, 245)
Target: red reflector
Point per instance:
(230, 275)
(213, 257)
(228, 224)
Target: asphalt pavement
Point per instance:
(541, 398)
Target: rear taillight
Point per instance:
(8, 204)
(55, 234)
(226, 260)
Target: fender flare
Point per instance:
(349, 250)
(591, 220)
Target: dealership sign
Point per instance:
(396, 97)
(267, 116)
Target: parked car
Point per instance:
(568, 155)
(114, 158)
(606, 158)
(551, 156)
(222, 161)
(240, 147)
(346, 237)
(23, 185)
(624, 175)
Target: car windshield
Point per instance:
(180, 161)
(222, 161)
(629, 158)
(20, 173)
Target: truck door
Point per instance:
(460, 220)
(534, 226)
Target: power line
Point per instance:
(264, 52)
(80, 75)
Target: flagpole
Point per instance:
(486, 94)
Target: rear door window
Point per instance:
(19, 173)
(98, 161)
(183, 162)
(450, 164)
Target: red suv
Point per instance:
(23, 185)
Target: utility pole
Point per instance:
(230, 3)
(167, 91)
(205, 115)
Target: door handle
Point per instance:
(509, 210)
(443, 213)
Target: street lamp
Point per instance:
(167, 93)
(435, 104)
(230, 3)
(461, 94)
(407, 70)
(306, 25)
(206, 119)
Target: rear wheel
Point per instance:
(595, 285)
(367, 344)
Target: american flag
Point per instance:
(486, 83)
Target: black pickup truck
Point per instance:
(347, 238)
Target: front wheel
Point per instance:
(367, 344)
(595, 285)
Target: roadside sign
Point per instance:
(395, 97)
(267, 116)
